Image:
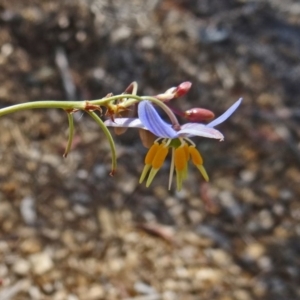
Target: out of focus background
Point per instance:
(70, 231)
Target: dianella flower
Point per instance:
(177, 141)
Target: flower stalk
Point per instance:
(171, 137)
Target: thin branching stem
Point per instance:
(71, 106)
(81, 105)
(71, 133)
(110, 140)
(67, 105)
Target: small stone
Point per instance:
(215, 235)
(195, 216)
(128, 184)
(143, 288)
(219, 256)
(182, 272)
(254, 251)
(100, 171)
(230, 204)
(80, 210)
(61, 203)
(7, 49)
(30, 246)
(3, 270)
(72, 297)
(21, 267)
(95, 292)
(41, 263)
(106, 219)
(34, 293)
(262, 221)
(278, 209)
(266, 219)
(247, 176)
(209, 274)
(241, 295)
(120, 34)
(169, 295)
(146, 43)
(80, 197)
(82, 174)
(28, 211)
(286, 194)
(265, 264)
(61, 295)
(48, 288)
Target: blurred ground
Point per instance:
(69, 231)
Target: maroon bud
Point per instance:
(182, 88)
(199, 114)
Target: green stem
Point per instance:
(70, 106)
(43, 104)
(110, 140)
(132, 99)
(81, 105)
(71, 134)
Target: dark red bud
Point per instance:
(182, 88)
(199, 114)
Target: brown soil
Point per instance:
(69, 231)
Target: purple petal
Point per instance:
(125, 122)
(225, 115)
(153, 122)
(194, 129)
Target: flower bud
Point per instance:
(182, 89)
(198, 114)
(175, 92)
(167, 95)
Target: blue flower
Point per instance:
(182, 147)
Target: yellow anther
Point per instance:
(144, 173)
(151, 176)
(196, 156)
(179, 178)
(160, 156)
(203, 172)
(151, 153)
(180, 159)
(186, 149)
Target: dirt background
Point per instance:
(69, 231)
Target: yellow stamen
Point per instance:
(151, 176)
(144, 173)
(151, 153)
(198, 161)
(196, 156)
(171, 168)
(185, 172)
(180, 159)
(160, 156)
(203, 172)
(186, 149)
(155, 159)
(179, 175)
